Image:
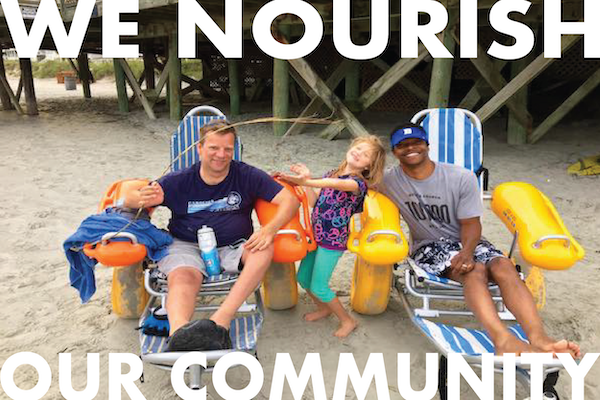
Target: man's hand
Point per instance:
(260, 239)
(151, 195)
(462, 262)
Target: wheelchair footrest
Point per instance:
(243, 332)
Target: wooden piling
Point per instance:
(4, 97)
(148, 56)
(281, 89)
(28, 87)
(441, 73)
(352, 86)
(85, 74)
(121, 88)
(174, 67)
(516, 132)
(235, 87)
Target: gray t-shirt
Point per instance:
(432, 207)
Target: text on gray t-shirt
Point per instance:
(432, 207)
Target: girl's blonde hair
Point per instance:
(374, 173)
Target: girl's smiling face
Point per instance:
(359, 157)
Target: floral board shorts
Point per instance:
(435, 257)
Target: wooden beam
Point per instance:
(474, 95)
(486, 68)
(235, 87)
(162, 80)
(11, 95)
(529, 73)
(4, 96)
(19, 89)
(588, 86)
(295, 99)
(390, 78)
(328, 97)
(139, 82)
(316, 102)
(136, 88)
(74, 67)
(174, 66)
(84, 74)
(406, 83)
(331, 131)
(28, 86)
(305, 88)
(121, 86)
(204, 86)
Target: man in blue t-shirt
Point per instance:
(220, 193)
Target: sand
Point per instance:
(55, 167)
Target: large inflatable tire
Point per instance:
(129, 297)
(280, 289)
(371, 287)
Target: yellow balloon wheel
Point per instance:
(279, 288)
(371, 287)
(128, 295)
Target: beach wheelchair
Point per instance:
(455, 136)
(139, 290)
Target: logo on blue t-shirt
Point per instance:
(228, 203)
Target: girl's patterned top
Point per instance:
(332, 212)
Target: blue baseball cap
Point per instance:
(409, 132)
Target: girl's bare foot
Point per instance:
(346, 327)
(317, 315)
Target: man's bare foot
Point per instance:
(346, 328)
(317, 315)
(549, 345)
(510, 344)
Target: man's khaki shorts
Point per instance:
(187, 254)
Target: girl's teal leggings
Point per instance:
(315, 272)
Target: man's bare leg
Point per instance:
(322, 309)
(519, 301)
(255, 267)
(184, 284)
(479, 301)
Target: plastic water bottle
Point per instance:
(207, 241)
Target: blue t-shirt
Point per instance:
(225, 207)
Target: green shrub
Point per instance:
(100, 68)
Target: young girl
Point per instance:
(338, 195)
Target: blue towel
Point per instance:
(91, 230)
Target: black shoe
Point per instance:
(200, 335)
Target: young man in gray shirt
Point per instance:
(441, 203)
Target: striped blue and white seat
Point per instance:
(455, 137)
(467, 342)
(185, 138)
